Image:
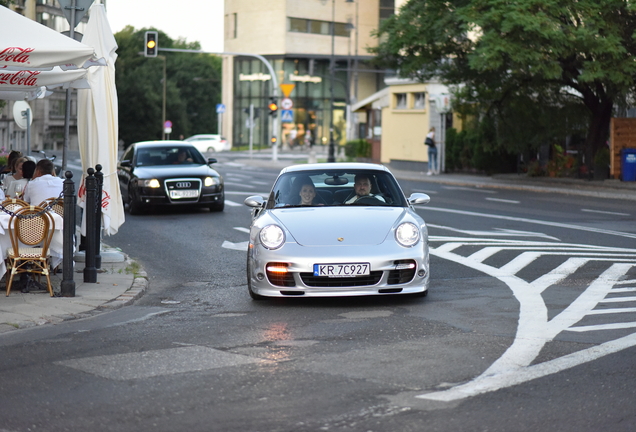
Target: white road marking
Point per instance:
(469, 189)
(605, 212)
(240, 184)
(514, 377)
(242, 229)
(534, 329)
(503, 200)
(611, 311)
(263, 194)
(498, 232)
(619, 300)
(233, 203)
(242, 246)
(530, 221)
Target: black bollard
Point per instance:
(99, 177)
(67, 287)
(90, 271)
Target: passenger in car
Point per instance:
(308, 194)
(362, 188)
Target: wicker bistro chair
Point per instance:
(14, 204)
(31, 231)
(56, 204)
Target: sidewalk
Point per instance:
(119, 282)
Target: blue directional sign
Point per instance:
(220, 108)
(287, 116)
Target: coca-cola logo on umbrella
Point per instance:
(20, 78)
(15, 54)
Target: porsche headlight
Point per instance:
(407, 234)
(154, 183)
(210, 181)
(272, 236)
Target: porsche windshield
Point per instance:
(336, 188)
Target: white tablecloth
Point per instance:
(57, 242)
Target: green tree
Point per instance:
(554, 56)
(192, 88)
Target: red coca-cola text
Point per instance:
(15, 54)
(20, 78)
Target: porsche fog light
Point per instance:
(210, 181)
(407, 234)
(272, 237)
(154, 183)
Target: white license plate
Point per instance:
(342, 270)
(184, 193)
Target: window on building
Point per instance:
(400, 100)
(232, 26)
(387, 8)
(419, 100)
(298, 25)
(301, 25)
(319, 27)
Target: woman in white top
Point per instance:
(25, 171)
(14, 184)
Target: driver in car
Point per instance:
(362, 189)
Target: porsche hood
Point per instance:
(339, 226)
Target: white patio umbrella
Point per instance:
(30, 80)
(98, 121)
(28, 45)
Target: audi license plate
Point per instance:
(176, 194)
(342, 270)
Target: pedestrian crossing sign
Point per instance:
(287, 116)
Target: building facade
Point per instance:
(318, 51)
(47, 128)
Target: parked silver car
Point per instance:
(338, 229)
(209, 143)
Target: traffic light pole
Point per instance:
(274, 82)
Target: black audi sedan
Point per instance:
(160, 173)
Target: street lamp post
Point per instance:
(332, 66)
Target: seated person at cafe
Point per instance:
(44, 184)
(362, 189)
(24, 169)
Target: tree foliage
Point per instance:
(540, 69)
(193, 88)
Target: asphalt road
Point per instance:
(529, 325)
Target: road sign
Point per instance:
(287, 116)
(167, 124)
(286, 103)
(81, 7)
(287, 89)
(220, 108)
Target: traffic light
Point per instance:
(273, 106)
(150, 45)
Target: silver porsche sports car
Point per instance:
(338, 229)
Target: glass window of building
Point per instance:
(297, 25)
(418, 100)
(400, 100)
(319, 27)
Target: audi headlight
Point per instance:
(407, 234)
(272, 236)
(210, 181)
(154, 183)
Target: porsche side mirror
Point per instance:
(255, 201)
(212, 161)
(419, 198)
